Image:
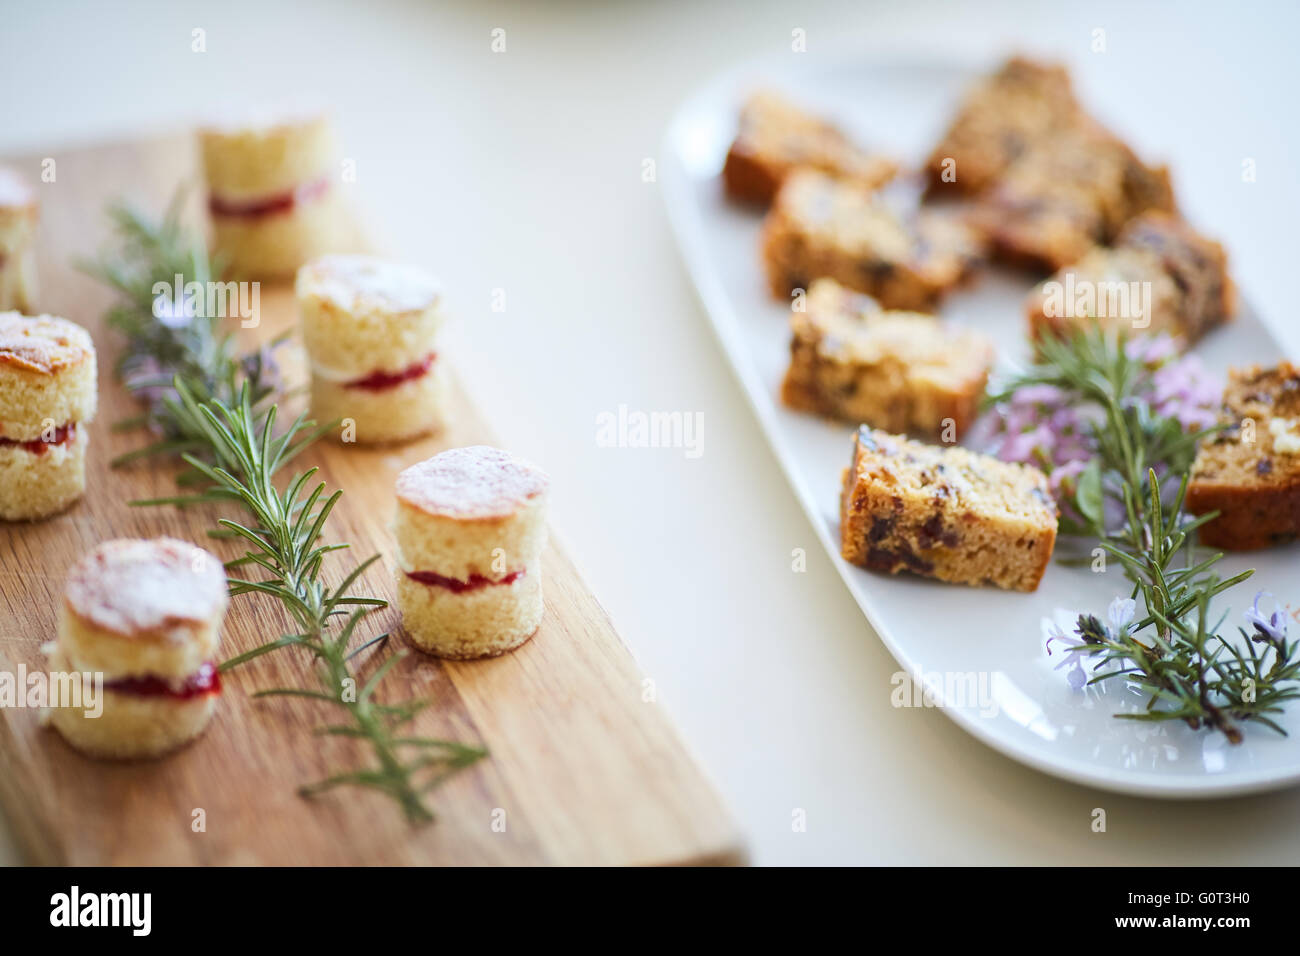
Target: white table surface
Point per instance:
(522, 171)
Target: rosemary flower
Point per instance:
(1120, 614)
(173, 314)
(1271, 629)
(1075, 648)
(1052, 427)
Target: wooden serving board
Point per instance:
(584, 769)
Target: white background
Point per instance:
(523, 171)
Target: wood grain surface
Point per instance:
(584, 769)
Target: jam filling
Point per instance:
(379, 381)
(269, 205)
(457, 586)
(206, 680)
(38, 446)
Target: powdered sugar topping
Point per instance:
(42, 343)
(365, 283)
(474, 482)
(131, 587)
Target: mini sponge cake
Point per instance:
(272, 192)
(146, 615)
(47, 394)
(17, 230)
(470, 527)
(369, 327)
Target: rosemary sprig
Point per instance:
(216, 410)
(1174, 651)
(195, 347)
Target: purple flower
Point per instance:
(1039, 425)
(986, 434)
(1065, 473)
(173, 314)
(1072, 449)
(1040, 395)
(1073, 645)
(1049, 427)
(1185, 390)
(1120, 614)
(1151, 350)
(148, 379)
(1065, 420)
(1023, 446)
(1271, 628)
(1017, 418)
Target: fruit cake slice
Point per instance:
(1064, 196)
(1250, 472)
(1160, 276)
(775, 137)
(1012, 110)
(945, 513)
(900, 371)
(822, 227)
